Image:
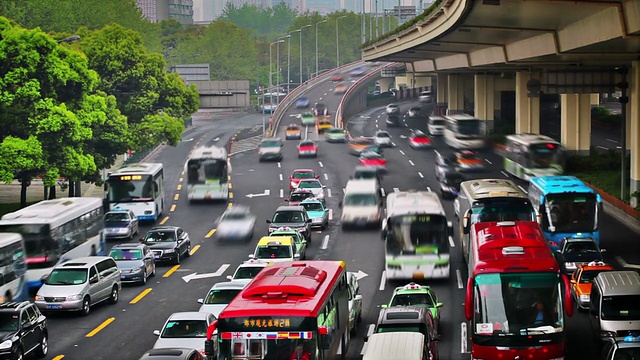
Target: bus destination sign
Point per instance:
(130, 177)
(267, 323)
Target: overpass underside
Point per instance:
(481, 49)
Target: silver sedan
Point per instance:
(236, 223)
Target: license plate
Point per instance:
(122, 276)
(157, 256)
(54, 306)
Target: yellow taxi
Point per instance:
(357, 145)
(581, 281)
(276, 249)
(324, 125)
(293, 132)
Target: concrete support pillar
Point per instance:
(483, 99)
(455, 93)
(443, 88)
(595, 99)
(527, 108)
(633, 117)
(575, 123)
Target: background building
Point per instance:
(158, 10)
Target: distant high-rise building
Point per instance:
(203, 11)
(158, 10)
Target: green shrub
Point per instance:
(595, 162)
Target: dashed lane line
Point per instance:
(100, 327)
(325, 242)
(140, 296)
(210, 233)
(193, 251)
(171, 271)
(420, 174)
(383, 281)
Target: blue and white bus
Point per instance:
(567, 207)
(56, 231)
(139, 188)
(13, 266)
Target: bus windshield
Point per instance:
(207, 171)
(469, 129)
(130, 188)
(417, 234)
(502, 209)
(517, 304)
(544, 155)
(570, 212)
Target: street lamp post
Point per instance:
(306, 26)
(289, 67)
(337, 41)
(363, 30)
(318, 23)
(280, 40)
(271, 78)
(289, 63)
(70, 39)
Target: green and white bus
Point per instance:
(531, 155)
(208, 171)
(417, 236)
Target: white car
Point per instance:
(393, 109)
(247, 270)
(382, 138)
(355, 302)
(313, 185)
(425, 96)
(220, 295)
(236, 223)
(184, 330)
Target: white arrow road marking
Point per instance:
(187, 140)
(195, 275)
(265, 193)
(361, 274)
(325, 242)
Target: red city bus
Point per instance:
(516, 296)
(287, 305)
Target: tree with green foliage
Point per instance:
(46, 112)
(271, 21)
(145, 92)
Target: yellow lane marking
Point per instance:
(229, 159)
(182, 173)
(230, 186)
(195, 248)
(171, 271)
(173, 208)
(230, 195)
(180, 187)
(230, 205)
(229, 177)
(140, 296)
(100, 327)
(176, 197)
(164, 220)
(181, 179)
(59, 357)
(210, 233)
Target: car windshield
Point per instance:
(185, 329)
(371, 156)
(234, 215)
(126, 254)
(336, 131)
(67, 277)
(419, 135)
(399, 328)
(304, 175)
(9, 321)
(581, 247)
(116, 217)
(225, 296)
(270, 143)
(307, 143)
(412, 300)
(247, 272)
(468, 156)
(360, 200)
(382, 135)
(292, 127)
(437, 122)
(588, 276)
(288, 217)
(309, 185)
(299, 196)
(160, 236)
(313, 206)
(274, 252)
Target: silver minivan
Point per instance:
(79, 283)
(613, 308)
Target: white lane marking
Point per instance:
(279, 165)
(326, 177)
(451, 243)
(325, 94)
(611, 140)
(377, 120)
(463, 338)
(504, 173)
(489, 162)
(377, 126)
(405, 125)
(281, 193)
(393, 144)
(459, 278)
(602, 147)
(320, 163)
(280, 177)
(383, 280)
(523, 190)
(396, 190)
(401, 152)
(420, 174)
(411, 162)
(382, 191)
(330, 214)
(329, 192)
(428, 188)
(325, 242)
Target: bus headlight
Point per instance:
(73, 297)
(6, 345)
(39, 298)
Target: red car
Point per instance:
(307, 148)
(298, 195)
(373, 160)
(337, 77)
(419, 140)
(299, 174)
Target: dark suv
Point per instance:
(294, 217)
(23, 330)
(168, 243)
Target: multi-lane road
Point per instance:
(124, 331)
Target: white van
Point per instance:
(613, 308)
(362, 203)
(395, 346)
(436, 125)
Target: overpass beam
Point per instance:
(633, 119)
(575, 123)
(442, 88)
(484, 99)
(455, 92)
(527, 108)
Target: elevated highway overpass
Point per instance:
(480, 49)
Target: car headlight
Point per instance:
(39, 298)
(73, 297)
(293, 184)
(123, 230)
(585, 298)
(6, 344)
(318, 219)
(321, 195)
(570, 265)
(169, 251)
